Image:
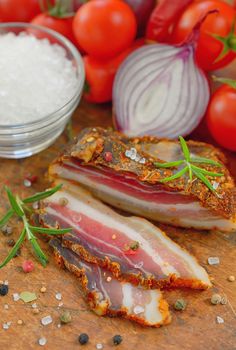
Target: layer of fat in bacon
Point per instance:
(113, 297)
(183, 214)
(136, 229)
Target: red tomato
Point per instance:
(60, 25)
(18, 10)
(100, 75)
(105, 28)
(221, 116)
(209, 48)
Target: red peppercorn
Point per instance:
(28, 266)
(32, 178)
(108, 156)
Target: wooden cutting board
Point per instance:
(195, 328)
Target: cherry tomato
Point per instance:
(105, 28)
(209, 49)
(60, 25)
(18, 10)
(221, 116)
(100, 75)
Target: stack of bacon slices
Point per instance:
(123, 262)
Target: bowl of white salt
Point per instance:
(41, 82)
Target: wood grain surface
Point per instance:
(195, 328)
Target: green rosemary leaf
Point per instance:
(12, 199)
(42, 195)
(184, 148)
(205, 161)
(14, 249)
(201, 177)
(6, 217)
(206, 172)
(190, 172)
(168, 165)
(27, 209)
(175, 176)
(38, 251)
(50, 231)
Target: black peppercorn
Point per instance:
(3, 289)
(18, 253)
(83, 338)
(117, 339)
(11, 242)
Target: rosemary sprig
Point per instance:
(190, 167)
(19, 207)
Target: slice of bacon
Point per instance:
(107, 296)
(102, 236)
(121, 172)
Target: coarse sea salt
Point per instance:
(138, 309)
(46, 320)
(36, 78)
(42, 341)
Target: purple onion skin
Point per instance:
(142, 10)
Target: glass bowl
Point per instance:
(24, 140)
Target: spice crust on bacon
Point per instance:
(157, 260)
(90, 155)
(107, 296)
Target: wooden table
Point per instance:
(194, 329)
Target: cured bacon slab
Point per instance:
(108, 296)
(130, 247)
(120, 171)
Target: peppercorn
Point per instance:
(66, 317)
(83, 338)
(18, 253)
(215, 299)
(35, 311)
(231, 278)
(7, 230)
(28, 266)
(180, 304)
(11, 242)
(3, 289)
(43, 289)
(117, 339)
(108, 156)
(134, 245)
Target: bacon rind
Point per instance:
(187, 271)
(92, 144)
(66, 258)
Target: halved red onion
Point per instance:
(159, 90)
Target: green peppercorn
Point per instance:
(66, 317)
(83, 338)
(117, 339)
(180, 305)
(134, 245)
(3, 289)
